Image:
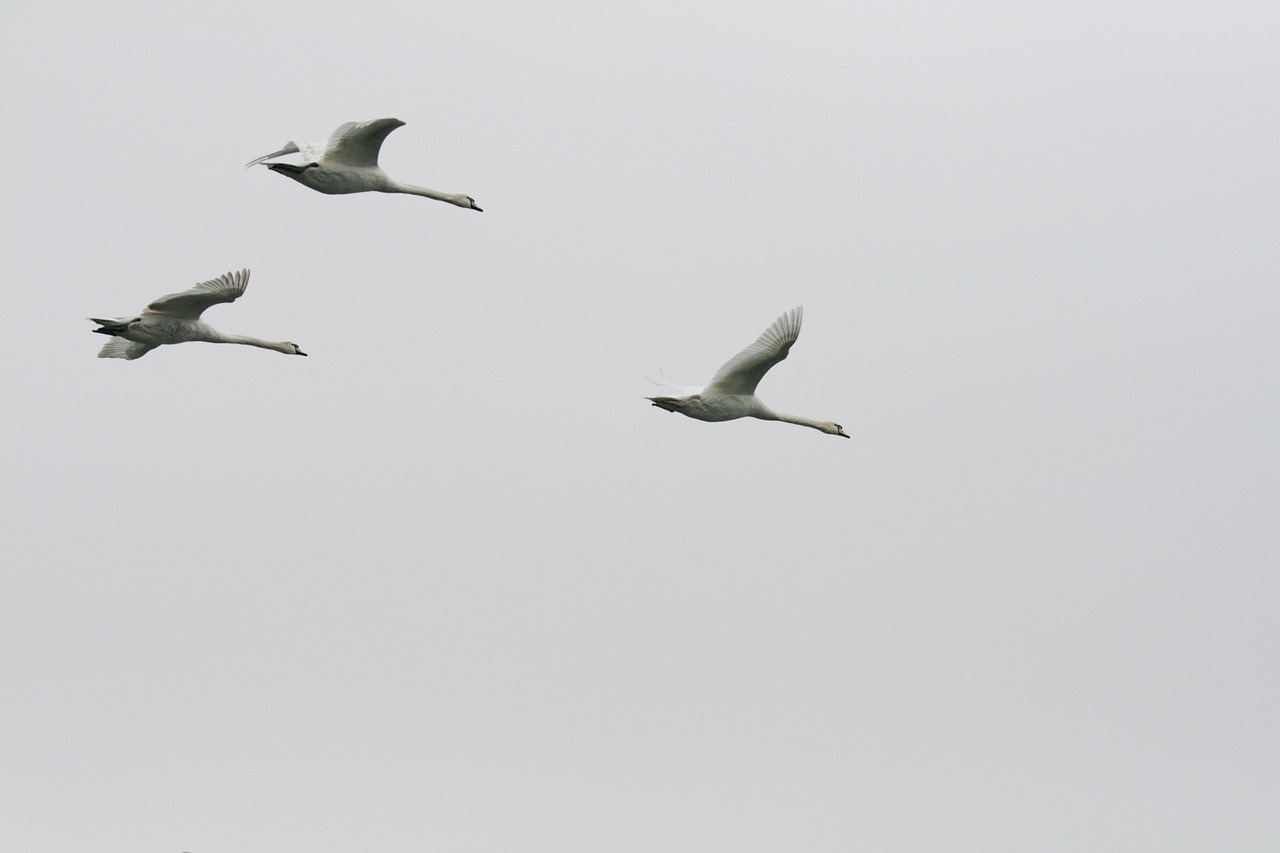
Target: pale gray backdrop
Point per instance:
(451, 584)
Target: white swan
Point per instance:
(348, 163)
(175, 319)
(732, 392)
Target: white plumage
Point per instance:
(175, 319)
(348, 163)
(732, 391)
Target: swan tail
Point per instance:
(110, 327)
(671, 404)
(290, 169)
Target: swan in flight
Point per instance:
(348, 163)
(732, 392)
(175, 319)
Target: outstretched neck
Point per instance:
(459, 199)
(278, 346)
(822, 426)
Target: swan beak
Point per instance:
(300, 352)
(843, 433)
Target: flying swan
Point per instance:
(175, 319)
(348, 163)
(732, 392)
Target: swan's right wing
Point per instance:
(190, 304)
(358, 143)
(122, 348)
(742, 373)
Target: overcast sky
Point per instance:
(450, 583)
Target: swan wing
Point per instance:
(289, 148)
(358, 143)
(685, 390)
(190, 304)
(123, 348)
(742, 373)
(311, 152)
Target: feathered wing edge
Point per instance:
(659, 379)
(359, 143)
(190, 304)
(289, 148)
(124, 348)
(742, 373)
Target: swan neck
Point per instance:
(410, 189)
(278, 346)
(797, 419)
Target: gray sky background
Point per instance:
(451, 584)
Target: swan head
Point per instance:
(473, 204)
(291, 348)
(833, 429)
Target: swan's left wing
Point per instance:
(358, 143)
(289, 148)
(685, 390)
(123, 348)
(742, 373)
(190, 304)
(311, 152)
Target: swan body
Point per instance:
(175, 319)
(732, 392)
(348, 163)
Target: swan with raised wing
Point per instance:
(175, 319)
(348, 163)
(732, 392)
